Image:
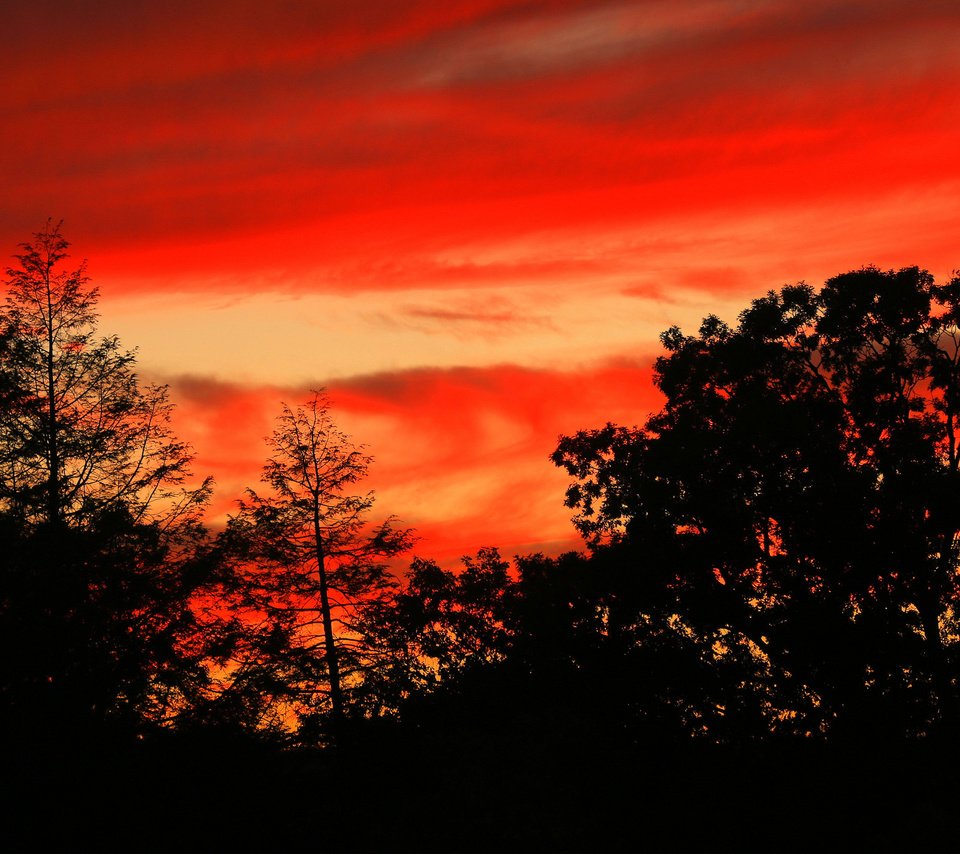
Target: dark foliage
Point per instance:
(761, 645)
(100, 541)
(793, 503)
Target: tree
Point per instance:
(100, 527)
(306, 556)
(541, 647)
(437, 630)
(80, 435)
(793, 502)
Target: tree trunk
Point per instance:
(333, 666)
(53, 450)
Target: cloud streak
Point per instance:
(474, 123)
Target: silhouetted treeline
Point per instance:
(772, 566)
(772, 556)
(793, 506)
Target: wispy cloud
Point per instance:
(229, 120)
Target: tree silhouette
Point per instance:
(99, 527)
(306, 555)
(546, 647)
(437, 630)
(80, 434)
(793, 501)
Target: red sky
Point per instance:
(468, 219)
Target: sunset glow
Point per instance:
(469, 220)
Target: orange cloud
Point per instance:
(461, 454)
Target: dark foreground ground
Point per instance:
(466, 791)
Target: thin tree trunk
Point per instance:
(53, 451)
(333, 665)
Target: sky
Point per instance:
(468, 220)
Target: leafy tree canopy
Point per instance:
(794, 499)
